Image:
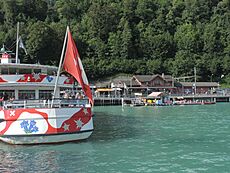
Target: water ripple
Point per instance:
(148, 139)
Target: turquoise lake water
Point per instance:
(140, 139)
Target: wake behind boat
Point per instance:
(28, 115)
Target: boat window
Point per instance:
(25, 71)
(45, 94)
(9, 93)
(12, 71)
(4, 71)
(51, 72)
(37, 71)
(43, 71)
(26, 94)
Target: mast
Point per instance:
(60, 65)
(17, 42)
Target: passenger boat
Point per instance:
(32, 111)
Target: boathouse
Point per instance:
(123, 86)
(149, 83)
(188, 88)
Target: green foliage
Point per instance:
(183, 63)
(129, 36)
(226, 80)
(41, 43)
(186, 37)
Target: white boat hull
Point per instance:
(45, 139)
(49, 125)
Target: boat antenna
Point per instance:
(60, 65)
(17, 42)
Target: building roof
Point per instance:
(130, 81)
(200, 84)
(146, 78)
(28, 66)
(121, 78)
(116, 80)
(168, 77)
(127, 81)
(102, 84)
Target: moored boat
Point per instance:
(193, 103)
(35, 114)
(137, 102)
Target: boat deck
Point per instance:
(57, 103)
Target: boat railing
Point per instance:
(58, 103)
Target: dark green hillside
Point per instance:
(126, 36)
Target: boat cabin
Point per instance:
(29, 81)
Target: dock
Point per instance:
(107, 101)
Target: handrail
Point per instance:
(58, 103)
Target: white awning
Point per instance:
(117, 89)
(138, 94)
(155, 94)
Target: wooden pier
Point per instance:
(106, 101)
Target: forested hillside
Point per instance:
(125, 36)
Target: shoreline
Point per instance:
(107, 101)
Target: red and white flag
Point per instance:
(73, 65)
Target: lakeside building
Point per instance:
(146, 84)
(188, 88)
(142, 85)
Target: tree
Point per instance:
(197, 11)
(126, 39)
(183, 64)
(211, 38)
(174, 15)
(154, 66)
(102, 19)
(156, 46)
(146, 10)
(71, 10)
(42, 43)
(36, 9)
(114, 44)
(131, 36)
(10, 9)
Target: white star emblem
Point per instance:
(79, 123)
(66, 127)
(36, 76)
(12, 113)
(85, 111)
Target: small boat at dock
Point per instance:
(137, 102)
(193, 103)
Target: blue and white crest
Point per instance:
(29, 126)
(49, 78)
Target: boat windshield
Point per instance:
(26, 70)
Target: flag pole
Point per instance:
(17, 43)
(60, 64)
